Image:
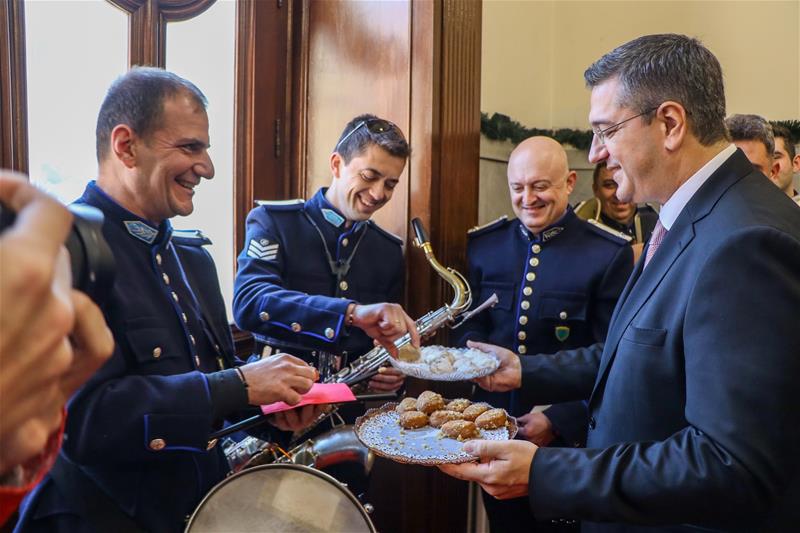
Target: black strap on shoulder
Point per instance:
(340, 268)
(83, 494)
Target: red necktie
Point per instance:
(655, 241)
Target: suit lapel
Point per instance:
(643, 282)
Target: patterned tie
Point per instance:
(655, 241)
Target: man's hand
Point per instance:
(388, 379)
(385, 323)
(40, 367)
(297, 419)
(503, 469)
(508, 375)
(278, 378)
(536, 428)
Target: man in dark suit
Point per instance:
(694, 420)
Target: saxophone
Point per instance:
(366, 366)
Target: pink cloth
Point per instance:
(655, 241)
(319, 393)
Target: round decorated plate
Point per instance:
(380, 431)
(440, 363)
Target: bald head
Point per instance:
(544, 154)
(540, 182)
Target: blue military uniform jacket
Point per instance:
(556, 290)
(300, 269)
(139, 429)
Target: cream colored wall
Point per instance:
(535, 52)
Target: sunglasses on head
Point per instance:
(375, 126)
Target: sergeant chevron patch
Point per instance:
(262, 249)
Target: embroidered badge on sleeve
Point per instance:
(262, 249)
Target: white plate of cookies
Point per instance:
(430, 430)
(442, 363)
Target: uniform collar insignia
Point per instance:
(552, 232)
(334, 218)
(140, 230)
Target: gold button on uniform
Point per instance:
(158, 258)
(175, 297)
(329, 333)
(197, 360)
(165, 278)
(264, 316)
(527, 291)
(191, 338)
(534, 261)
(157, 444)
(521, 348)
(345, 242)
(562, 315)
(523, 320)
(296, 327)
(525, 304)
(536, 248)
(185, 318)
(522, 335)
(343, 285)
(530, 276)
(157, 352)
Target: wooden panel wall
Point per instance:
(417, 63)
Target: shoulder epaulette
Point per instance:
(494, 224)
(191, 237)
(588, 209)
(608, 232)
(282, 205)
(388, 234)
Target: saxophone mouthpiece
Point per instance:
(419, 231)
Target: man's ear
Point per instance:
(123, 145)
(572, 178)
(336, 163)
(796, 163)
(673, 117)
(773, 171)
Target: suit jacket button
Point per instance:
(296, 327)
(329, 333)
(592, 422)
(157, 352)
(157, 444)
(264, 316)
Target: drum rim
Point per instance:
(290, 466)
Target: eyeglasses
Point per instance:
(375, 126)
(603, 134)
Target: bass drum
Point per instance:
(280, 497)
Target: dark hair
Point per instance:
(779, 130)
(751, 128)
(598, 169)
(656, 68)
(136, 99)
(356, 144)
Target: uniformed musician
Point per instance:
(319, 278)
(136, 454)
(557, 278)
(635, 221)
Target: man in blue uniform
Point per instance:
(136, 452)
(557, 278)
(319, 278)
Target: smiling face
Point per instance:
(605, 189)
(540, 182)
(170, 162)
(630, 151)
(365, 184)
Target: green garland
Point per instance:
(500, 128)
